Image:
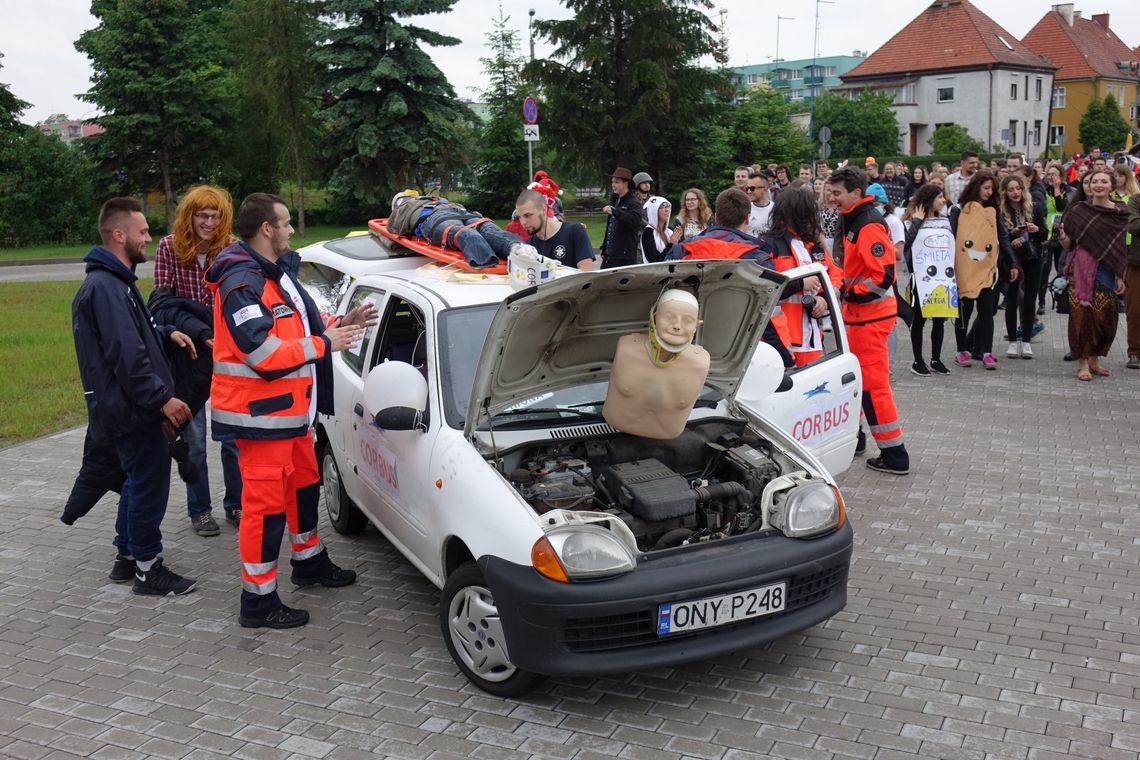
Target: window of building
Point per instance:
(945, 94)
(1037, 89)
(1026, 87)
(1057, 134)
(1013, 90)
(1037, 132)
(829, 71)
(797, 74)
(1012, 132)
(909, 93)
(796, 95)
(1116, 91)
(1058, 97)
(1025, 132)
(751, 79)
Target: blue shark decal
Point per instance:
(819, 390)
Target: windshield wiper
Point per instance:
(550, 410)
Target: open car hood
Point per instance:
(565, 332)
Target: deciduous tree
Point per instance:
(391, 114)
(953, 138)
(1102, 126)
(863, 126)
(762, 131)
(166, 99)
(47, 189)
(273, 43)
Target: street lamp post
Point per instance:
(815, 74)
(530, 28)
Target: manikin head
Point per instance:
(673, 322)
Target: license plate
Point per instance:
(682, 617)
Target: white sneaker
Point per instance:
(1014, 350)
(1026, 350)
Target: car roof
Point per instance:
(366, 256)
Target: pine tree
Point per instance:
(501, 162)
(391, 114)
(167, 101)
(625, 85)
(10, 107)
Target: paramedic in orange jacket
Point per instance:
(869, 309)
(271, 376)
(795, 239)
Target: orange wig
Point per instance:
(185, 239)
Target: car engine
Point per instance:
(703, 485)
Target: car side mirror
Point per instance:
(401, 418)
(396, 396)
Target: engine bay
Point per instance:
(703, 485)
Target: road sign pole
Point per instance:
(530, 162)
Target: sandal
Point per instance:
(1100, 371)
(1084, 375)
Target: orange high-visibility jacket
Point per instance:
(868, 265)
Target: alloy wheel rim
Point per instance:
(332, 487)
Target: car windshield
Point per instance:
(462, 332)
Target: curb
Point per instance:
(34, 262)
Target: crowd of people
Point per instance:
(1015, 212)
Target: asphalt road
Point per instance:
(41, 272)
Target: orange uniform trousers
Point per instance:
(280, 486)
(869, 344)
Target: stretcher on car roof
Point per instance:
(450, 256)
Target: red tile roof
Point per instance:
(1081, 51)
(950, 34)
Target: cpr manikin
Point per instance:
(656, 378)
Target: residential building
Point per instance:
(67, 129)
(799, 80)
(1091, 62)
(953, 64)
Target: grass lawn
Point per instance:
(40, 392)
(61, 251)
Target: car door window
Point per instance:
(354, 357)
(830, 330)
(403, 336)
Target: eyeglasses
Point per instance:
(204, 217)
(750, 188)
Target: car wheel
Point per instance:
(345, 516)
(474, 635)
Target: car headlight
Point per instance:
(581, 551)
(810, 509)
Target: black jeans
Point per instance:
(978, 338)
(1021, 301)
(1052, 252)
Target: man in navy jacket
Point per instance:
(129, 392)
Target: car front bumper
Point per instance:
(610, 625)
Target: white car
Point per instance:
(468, 429)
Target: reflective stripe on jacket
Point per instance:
(263, 379)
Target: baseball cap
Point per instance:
(869, 160)
(876, 191)
(641, 177)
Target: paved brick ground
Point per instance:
(992, 614)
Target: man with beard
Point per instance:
(567, 243)
(129, 392)
(272, 374)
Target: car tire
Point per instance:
(346, 517)
(474, 636)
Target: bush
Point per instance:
(47, 190)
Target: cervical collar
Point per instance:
(655, 341)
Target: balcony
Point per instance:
(780, 84)
(813, 80)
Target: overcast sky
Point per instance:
(41, 64)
